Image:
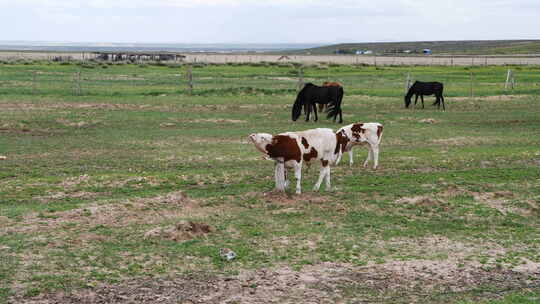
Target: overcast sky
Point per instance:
(259, 21)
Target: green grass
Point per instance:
(85, 176)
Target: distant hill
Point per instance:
(479, 47)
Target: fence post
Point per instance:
(190, 79)
(34, 82)
(408, 82)
(77, 83)
(300, 78)
(472, 94)
(509, 79)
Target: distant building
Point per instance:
(426, 51)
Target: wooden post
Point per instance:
(78, 83)
(408, 82)
(509, 80)
(34, 82)
(300, 78)
(190, 79)
(472, 94)
(513, 81)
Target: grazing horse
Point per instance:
(328, 84)
(312, 94)
(425, 88)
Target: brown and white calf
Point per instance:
(292, 149)
(358, 134)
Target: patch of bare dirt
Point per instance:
(28, 131)
(437, 247)
(284, 79)
(78, 124)
(286, 199)
(499, 200)
(463, 141)
(180, 232)
(74, 181)
(150, 210)
(233, 121)
(429, 121)
(425, 201)
(489, 98)
(395, 282)
(62, 195)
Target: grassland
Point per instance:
(127, 188)
(473, 47)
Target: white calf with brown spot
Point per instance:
(292, 149)
(357, 134)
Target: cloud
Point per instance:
(267, 21)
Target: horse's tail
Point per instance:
(334, 106)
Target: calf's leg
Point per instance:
(279, 174)
(369, 157)
(375, 148)
(298, 176)
(322, 174)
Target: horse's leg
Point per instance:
(442, 100)
(315, 111)
(308, 111)
(340, 115)
(422, 98)
(415, 99)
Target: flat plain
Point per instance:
(119, 186)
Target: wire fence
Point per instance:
(133, 80)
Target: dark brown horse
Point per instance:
(328, 84)
(425, 88)
(311, 94)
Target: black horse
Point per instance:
(425, 88)
(311, 94)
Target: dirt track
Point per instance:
(396, 282)
(311, 59)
